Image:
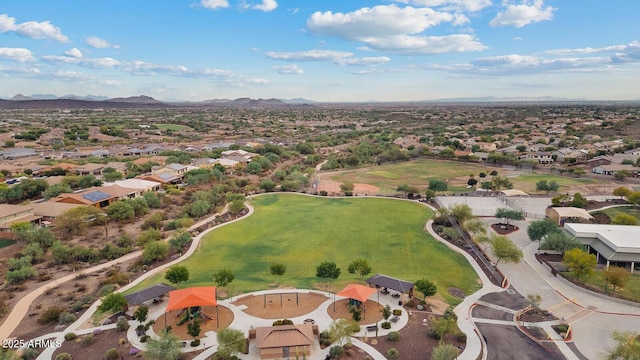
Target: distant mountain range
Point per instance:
(47, 101)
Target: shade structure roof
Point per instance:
(390, 283)
(149, 293)
(195, 296)
(357, 292)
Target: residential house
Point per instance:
(204, 163)
(540, 157)
(239, 155)
(90, 169)
(11, 214)
(570, 155)
(599, 160)
(163, 178)
(18, 153)
(50, 210)
(227, 163)
(139, 184)
(285, 341)
(614, 168)
(173, 169)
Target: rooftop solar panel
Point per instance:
(96, 196)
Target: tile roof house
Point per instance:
(11, 214)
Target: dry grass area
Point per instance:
(373, 311)
(281, 306)
(223, 314)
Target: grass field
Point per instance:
(5, 243)
(631, 290)
(630, 210)
(172, 127)
(418, 173)
(301, 232)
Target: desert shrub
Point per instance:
(433, 334)
(561, 328)
(336, 352)
(111, 354)
(87, 340)
(83, 302)
(461, 337)
(195, 343)
(393, 354)
(63, 356)
(393, 336)
(122, 324)
(117, 277)
(65, 318)
(385, 325)
(144, 338)
(106, 290)
(397, 312)
(29, 354)
(70, 336)
(324, 335)
(282, 322)
(154, 221)
(449, 314)
(50, 315)
(323, 193)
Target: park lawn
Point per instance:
(5, 243)
(302, 231)
(172, 127)
(630, 210)
(631, 290)
(418, 173)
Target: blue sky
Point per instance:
(321, 50)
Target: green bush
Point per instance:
(461, 337)
(122, 324)
(30, 354)
(393, 354)
(111, 354)
(393, 336)
(449, 314)
(195, 343)
(87, 340)
(386, 325)
(324, 335)
(50, 315)
(63, 356)
(65, 318)
(282, 322)
(336, 352)
(433, 334)
(70, 336)
(397, 312)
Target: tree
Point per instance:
(347, 188)
(121, 210)
(578, 201)
(436, 185)
(267, 185)
(429, 195)
(444, 326)
(236, 207)
(551, 186)
(114, 302)
(154, 251)
(624, 219)
(505, 249)
(75, 221)
(472, 182)
(55, 190)
(386, 312)
(580, 262)
(461, 213)
(177, 274)
(475, 227)
(277, 270)
(622, 192)
(224, 277)
(327, 270)
(620, 175)
(634, 198)
(339, 331)
(538, 229)
(194, 328)
(558, 241)
(360, 268)
(152, 199)
(407, 189)
(141, 313)
(230, 342)
(506, 215)
(166, 347)
(498, 183)
(445, 352)
(616, 276)
(535, 300)
(426, 287)
(627, 346)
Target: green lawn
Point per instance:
(630, 210)
(418, 173)
(5, 243)
(172, 127)
(301, 232)
(631, 290)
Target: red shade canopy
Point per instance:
(357, 292)
(195, 296)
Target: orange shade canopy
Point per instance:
(357, 292)
(195, 296)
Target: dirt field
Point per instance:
(211, 324)
(271, 307)
(333, 187)
(372, 314)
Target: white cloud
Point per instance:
(98, 43)
(288, 69)
(336, 57)
(214, 4)
(529, 11)
(266, 6)
(87, 62)
(394, 29)
(456, 5)
(32, 29)
(20, 55)
(588, 50)
(73, 53)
